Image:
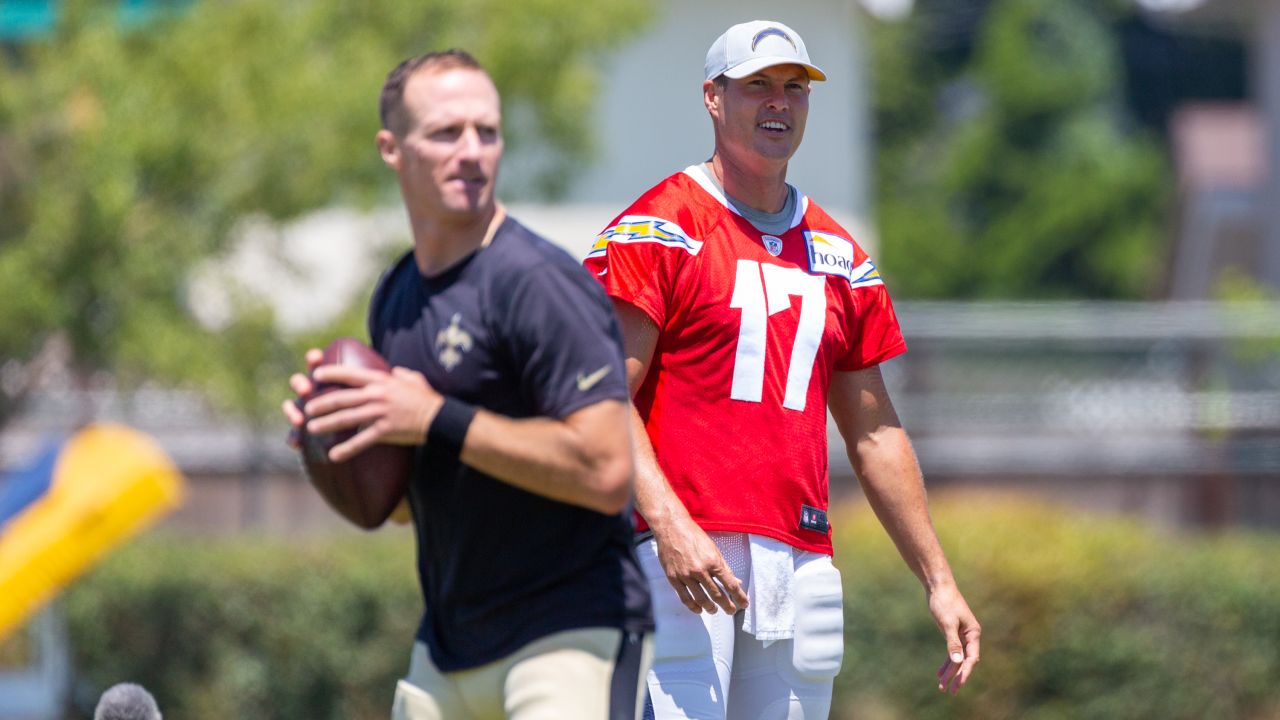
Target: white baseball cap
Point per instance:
(750, 47)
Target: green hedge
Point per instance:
(1083, 616)
(252, 627)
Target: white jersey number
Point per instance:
(764, 290)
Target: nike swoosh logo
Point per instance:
(586, 382)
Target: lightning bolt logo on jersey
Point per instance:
(751, 332)
(640, 229)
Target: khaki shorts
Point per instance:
(589, 674)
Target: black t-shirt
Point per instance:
(518, 328)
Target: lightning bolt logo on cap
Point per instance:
(775, 32)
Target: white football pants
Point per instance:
(706, 668)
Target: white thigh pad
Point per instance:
(819, 631)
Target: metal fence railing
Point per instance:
(1090, 388)
(985, 388)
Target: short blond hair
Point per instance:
(391, 102)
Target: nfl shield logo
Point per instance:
(772, 244)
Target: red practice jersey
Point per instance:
(751, 328)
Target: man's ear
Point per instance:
(389, 148)
(711, 97)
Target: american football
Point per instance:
(366, 488)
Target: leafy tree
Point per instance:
(130, 151)
(1007, 167)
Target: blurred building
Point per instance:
(1228, 157)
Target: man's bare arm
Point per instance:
(693, 564)
(885, 462)
(584, 459)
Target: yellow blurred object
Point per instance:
(402, 514)
(110, 482)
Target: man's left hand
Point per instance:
(962, 631)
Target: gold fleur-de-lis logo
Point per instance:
(451, 342)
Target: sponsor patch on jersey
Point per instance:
(643, 229)
(830, 254)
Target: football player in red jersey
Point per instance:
(746, 312)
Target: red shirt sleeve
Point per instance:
(637, 258)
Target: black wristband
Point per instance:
(449, 428)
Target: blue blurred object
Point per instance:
(77, 501)
(30, 19)
(24, 485)
(26, 18)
